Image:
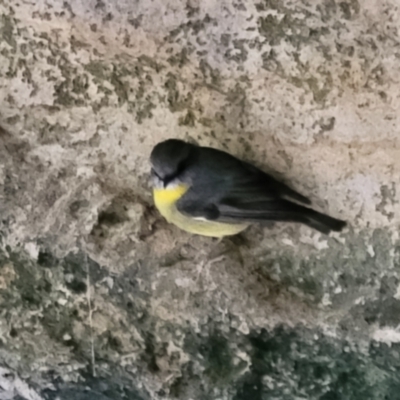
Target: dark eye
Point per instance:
(153, 172)
(179, 170)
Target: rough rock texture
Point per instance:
(100, 298)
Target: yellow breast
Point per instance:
(165, 200)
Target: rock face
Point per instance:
(100, 297)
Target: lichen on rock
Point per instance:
(100, 297)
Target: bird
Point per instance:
(209, 192)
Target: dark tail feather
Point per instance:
(324, 223)
(288, 192)
(279, 210)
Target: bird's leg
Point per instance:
(217, 241)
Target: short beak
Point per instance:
(155, 181)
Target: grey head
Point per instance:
(168, 160)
